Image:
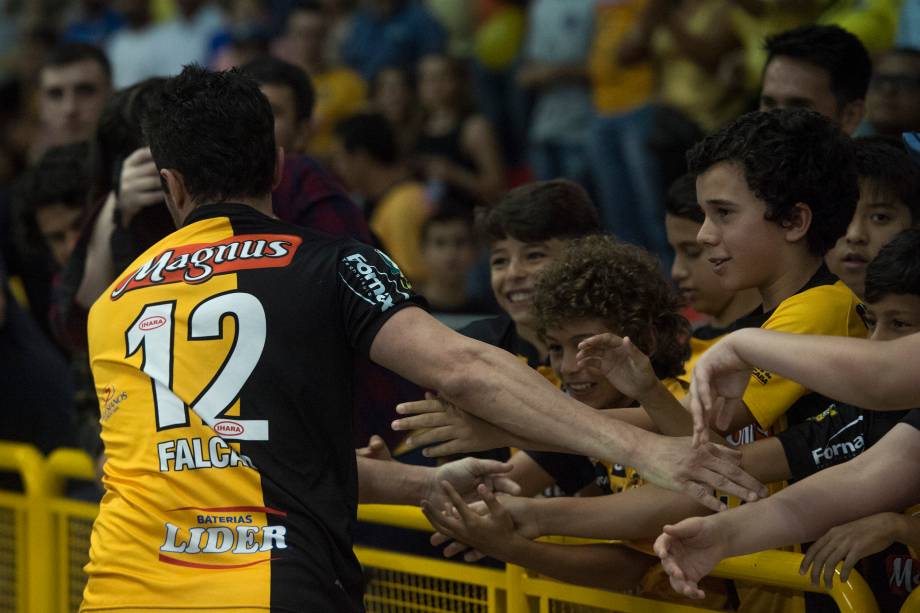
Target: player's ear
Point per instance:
(279, 167)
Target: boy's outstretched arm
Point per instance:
(798, 514)
(857, 371)
(601, 565)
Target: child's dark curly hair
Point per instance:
(601, 277)
(790, 156)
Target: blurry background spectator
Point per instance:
(393, 96)
(893, 101)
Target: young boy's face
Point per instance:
(583, 384)
(878, 218)
(892, 317)
(741, 246)
(448, 248)
(691, 271)
(514, 266)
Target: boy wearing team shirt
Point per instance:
(889, 202)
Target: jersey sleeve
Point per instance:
(370, 289)
(912, 419)
(835, 436)
(828, 311)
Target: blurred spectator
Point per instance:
(909, 25)
(366, 157)
(449, 249)
(132, 50)
(554, 69)
(893, 101)
(457, 18)
(247, 35)
(823, 68)
(391, 33)
(291, 96)
(456, 148)
(340, 91)
(340, 14)
(307, 195)
(393, 96)
(94, 22)
(75, 82)
(52, 199)
(145, 49)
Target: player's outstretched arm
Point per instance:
(498, 388)
(857, 371)
(390, 482)
(494, 534)
(799, 513)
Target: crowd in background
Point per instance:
(404, 124)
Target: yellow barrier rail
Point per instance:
(44, 543)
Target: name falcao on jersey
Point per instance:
(199, 262)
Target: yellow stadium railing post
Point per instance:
(32, 542)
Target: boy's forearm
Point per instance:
(907, 531)
(635, 514)
(601, 565)
(669, 415)
(766, 460)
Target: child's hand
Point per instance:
(485, 533)
(849, 543)
(620, 361)
(523, 515)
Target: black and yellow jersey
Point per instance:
(501, 332)
(223, 363)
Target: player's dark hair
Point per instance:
(217, 130)
(371, 133)
(896, 268)
(885, 163)
(538, 212)
(71, 53)
(680, 201)
(272, 71)
(601, 277)
(790, 156)
(831, 48)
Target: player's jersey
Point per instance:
(223, 363)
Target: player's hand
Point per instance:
(523, 515)
(849, 544)
(674, 463)
(138, 185)
(620, 362)
(719, 380)
(434, 420)
(689, 550)
(376, 450)
(484, 532)
(466, 475)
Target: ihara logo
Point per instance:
(229, 428)
(152, 323)
(198, 263)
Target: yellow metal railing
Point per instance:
(44, 543)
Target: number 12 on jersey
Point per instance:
(153, 331)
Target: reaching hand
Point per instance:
(522, 515)
(138, 185)
(674, 463)
(484, 532)
(620, 361)
(849, 544)
(376, 450)
(466, 476)
(688, 551)
(437, 421)
(719, 380)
